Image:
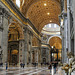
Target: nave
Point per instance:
(36, 33)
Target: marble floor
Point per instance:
(28, 71)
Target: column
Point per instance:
(5, 36)
(74, 22)
(62, 34)
(30, 43)
(26, 46)
(33, 56)
(1, 31)
(65, 37)
(39, 53)
(37, 56)
(68, 15)
(48, 55)
(63, 48)
(21, 51)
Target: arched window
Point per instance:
(18, 3)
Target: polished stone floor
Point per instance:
(28, 71)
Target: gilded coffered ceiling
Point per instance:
(56, 41)
(41, 12)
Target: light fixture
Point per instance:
(52, 54)
(50, 20)
(45, 4)
(52, 46)
(48, 13)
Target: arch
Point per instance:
(47, 22)
(56, 41)
(54, 36)
(18, 27)
(15, 34)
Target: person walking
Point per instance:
(6, 65)
(50, 67)
(55, 65)
(23, 65)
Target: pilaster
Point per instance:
(74, 22)
(26, 45)
(30, 47)
(68, 15)
(1, 31)
(21, 51)
(65, 37)
(37, 56)
(64, 34)
(5, 36)
(39, 53)
(47, 55)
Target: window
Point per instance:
(23, 2)
(49, 25)
(55, 26)
(18, 3)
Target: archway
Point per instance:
(56, 47)
(15, 35)
(56, 41)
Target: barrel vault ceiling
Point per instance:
(41, 12)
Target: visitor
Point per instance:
(6, 65)
(1, 64)
(55, 65)
(50, 67)
(23, 65)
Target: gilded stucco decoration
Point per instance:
(35, 41)
(56, 41)
(15, 28)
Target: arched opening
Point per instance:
(56, 48)
(15, 35)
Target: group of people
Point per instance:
(22, 65)
(54, 65)
(1, 64)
